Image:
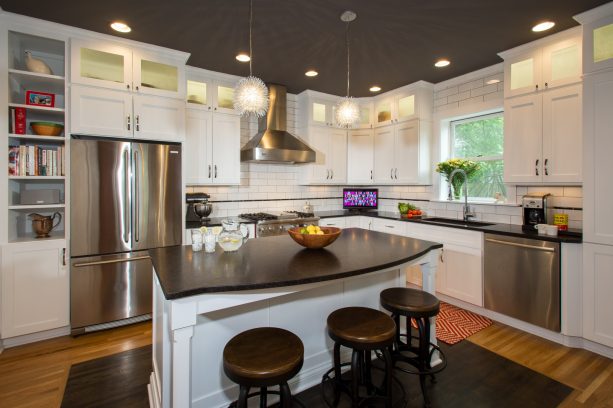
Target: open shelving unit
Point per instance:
(21, 80)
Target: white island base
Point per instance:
(189, 334)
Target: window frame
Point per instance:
(451, 144)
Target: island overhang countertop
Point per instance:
(279, 261)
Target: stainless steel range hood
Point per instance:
(273, 143)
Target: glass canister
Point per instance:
(230, 238)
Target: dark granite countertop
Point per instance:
(279, 261)
(571, 236)
(214, 222)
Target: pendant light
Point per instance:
(347, 111)
(251, 94)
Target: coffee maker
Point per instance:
(193, 201)
(535, 210)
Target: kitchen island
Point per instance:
(202, 300)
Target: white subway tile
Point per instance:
(471, 101)
(440, 101)
(446, 92)
(573, 192)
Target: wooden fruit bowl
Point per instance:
(313, 241)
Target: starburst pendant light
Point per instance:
(347, 111)
(251, 94)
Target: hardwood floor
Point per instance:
(35, 375)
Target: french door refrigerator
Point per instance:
(125, 198)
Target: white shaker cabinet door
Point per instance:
(463, 277)
(597, 289)
(523, 139)
(360, 156)
(226, 148)
(157, 118)
(384, 155)
(35, 287)
(101, 112)
(562, 135)
(406, 152)
(197, 149)
(338, 156)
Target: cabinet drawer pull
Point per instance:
(128, 120)
(331, 174)
(209, 171)
(63, 256)
(546, 169)
(371, 174)
(215, 171)
(389, 226)
(392, 173)
(536, 167)
(138, 122)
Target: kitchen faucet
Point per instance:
(466, 213)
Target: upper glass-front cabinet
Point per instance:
(322, 113)
(542, 68)
(197, 92)
(113, 66)
(101, 64)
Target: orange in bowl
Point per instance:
(315, 241)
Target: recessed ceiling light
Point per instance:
(545, 25)
(121, 27)
(441, 63)
(243, 58)
(375, 88)
(492, 81)
(311, 73)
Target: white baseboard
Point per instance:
(34, 337)
(569, 341)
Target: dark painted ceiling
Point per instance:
(394, 42)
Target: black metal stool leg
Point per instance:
(286, 396)
(337, 373)
(389, 368)
(242, 397)
(355, 378)
(424, 354)
(263, 397)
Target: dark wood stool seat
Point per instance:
(263, 357)
(363, 330)
(418, 306)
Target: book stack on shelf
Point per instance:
(36, 160)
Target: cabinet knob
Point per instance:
(537, 87)
(128, 86)
(215, 108)
(546, 85)
(137, 87)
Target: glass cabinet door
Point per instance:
(562, 63)
(523, 74)
(197, 92)
(224, 98)
(406, 107)
(320, 113)
(383, 112)
(365, 117)
(101, 64)
(155, 77)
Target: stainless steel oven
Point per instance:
(522, 279)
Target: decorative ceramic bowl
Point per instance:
(313, 241)
(46, 128)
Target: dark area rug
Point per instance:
(474, 377)
(119, 380)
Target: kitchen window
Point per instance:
(481, 139)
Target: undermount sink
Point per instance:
(450, 221)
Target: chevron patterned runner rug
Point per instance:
(454, 324)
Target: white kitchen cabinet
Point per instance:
(388, 226)
(330, 167)
(366, 222)
(212, 148)
(35, 287)
(354, 221)
(112, 113)
(116, 66)
(543, 137)
(401, 153)
(598, 188)
(339, 222)
(597, 289)
(543, 64)
(460, 267)
(316, 109)
(403, 104)
(208, 93)
(360, 156)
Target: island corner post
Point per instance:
(191, 329)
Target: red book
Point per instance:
(20, 121)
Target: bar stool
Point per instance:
(263, 357)
(363, 330)
(419, 306)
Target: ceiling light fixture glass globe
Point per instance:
(347, 112)
(251, 96)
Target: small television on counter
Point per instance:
(360, 199)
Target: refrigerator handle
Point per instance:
(126, 203)
(136, 197)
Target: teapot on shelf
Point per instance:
(43, 224)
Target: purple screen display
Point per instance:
(360, 198)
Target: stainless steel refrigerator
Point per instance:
(125, 198)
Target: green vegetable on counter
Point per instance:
(404, 208)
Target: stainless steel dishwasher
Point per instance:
(522, 279)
